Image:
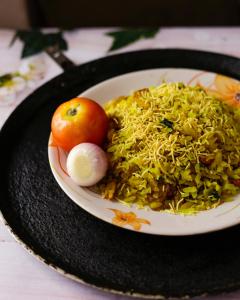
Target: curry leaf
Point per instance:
(125, 37)
(167, 123)
(35, 41)
(215, 195)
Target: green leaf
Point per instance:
(52, 39)
(214, 195)
(167, 123)
(5, 78)
(34, 41)
(125, 37)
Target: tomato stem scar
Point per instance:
(72, 112)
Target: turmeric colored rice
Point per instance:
(172, 147)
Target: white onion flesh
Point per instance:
(87, 164)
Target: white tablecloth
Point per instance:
(22, 276)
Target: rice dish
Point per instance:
(172, 147)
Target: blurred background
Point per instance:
(23, 14)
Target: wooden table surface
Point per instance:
(22, 276)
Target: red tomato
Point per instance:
(80, 120)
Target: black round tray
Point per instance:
(78, 244)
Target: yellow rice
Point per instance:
(172, 147)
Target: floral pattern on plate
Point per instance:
(122, 219)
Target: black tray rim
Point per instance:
(27, 102)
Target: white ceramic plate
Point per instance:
(147, 221)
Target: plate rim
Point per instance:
(61, 180)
